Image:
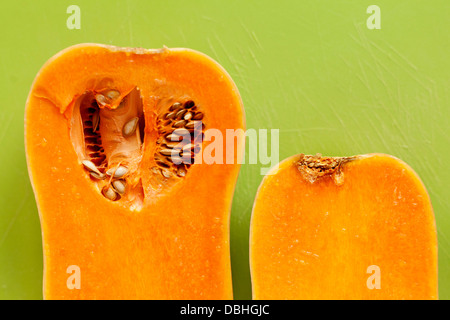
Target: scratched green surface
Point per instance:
(311, 69)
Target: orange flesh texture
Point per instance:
(177, 245)
(316, 240)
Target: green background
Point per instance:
(309, 68)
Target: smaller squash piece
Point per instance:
(358, 227)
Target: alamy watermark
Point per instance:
(374, 20)
(74, 20)
(225, 146)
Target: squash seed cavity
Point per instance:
(108, 130)
(107, 135)
(317, 166)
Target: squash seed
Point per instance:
(130, 127)
(109, 193)
(155, 169)
(181, 132)
(166, 173)
(189, 104)
(179, 123)
(187, 158)
(97, 176)
(118, 173)
(173, 137)
(187, 154)
(113, 94)
(91, 166)
(181, 171)
(173, 145)
(180, 114)
(166, 152)
(119, 186)
(175, 106)
(198, 116)
(190, 125)
(188, 116)
(101, 99)
(188, 147)
(175, 159)
(162, 164)
(170, 115)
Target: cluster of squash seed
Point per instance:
(97, 164)
(116, 186)
(180, 123)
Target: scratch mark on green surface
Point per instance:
(13, 219)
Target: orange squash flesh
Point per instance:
(317, 232)
(167, 238)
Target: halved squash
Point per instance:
(357, 227)
(128, 209)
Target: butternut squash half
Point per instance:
(357, 227)
(128, 209)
